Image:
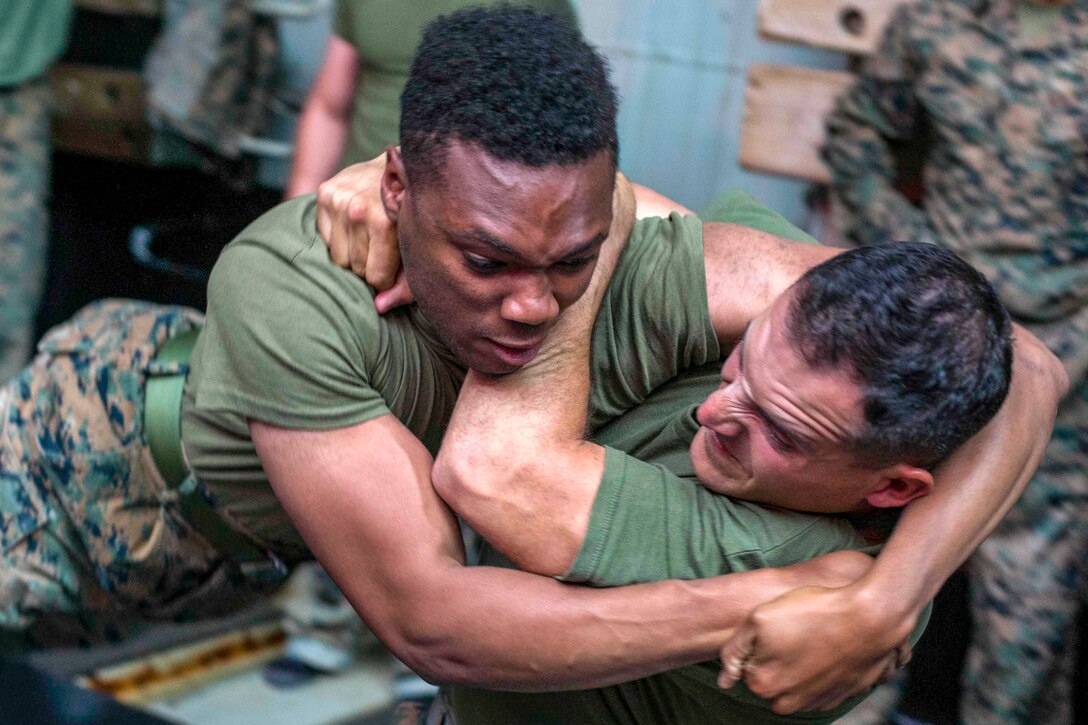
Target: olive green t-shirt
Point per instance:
(385, 34)
(33, 34)
(293, 340)
(651, 521)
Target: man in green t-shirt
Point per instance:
(840, 399)
(308, 422)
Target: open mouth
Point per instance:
(720, 450)
(515, 355)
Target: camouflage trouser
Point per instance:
(88, 529)
(24, 182)
(1028, 581)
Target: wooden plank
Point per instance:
(852, 26)
(151, 8)
(783, 125)
(170, 673)
(100, 112)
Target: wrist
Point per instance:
(881, 613)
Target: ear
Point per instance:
(901, 484)
(394, 183)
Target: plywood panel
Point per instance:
(783, 125)
(852, 26)
(99, 112)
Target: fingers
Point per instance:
(383, 258)
(346, 240)
(903, 654)
(736, 655)
(324, 228)
(396, 296)
(358, 232)
(358, 238)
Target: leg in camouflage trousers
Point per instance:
(86, 522)
(1028, 582)
(24, 180)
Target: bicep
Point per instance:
(361, 498)
(747, 269)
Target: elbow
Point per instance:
(435, 648)
(1037, 358)
(464, 481)
(452, 481)
(1060, 376)
(420, 644)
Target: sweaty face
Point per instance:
(495, 250)
(774, 430)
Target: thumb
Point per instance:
(398, 295)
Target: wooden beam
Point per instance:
(783, 126)
(150, 8)
(852, 26)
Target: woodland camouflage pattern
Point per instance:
(1006, 186)
(24, 177)
(87, 524)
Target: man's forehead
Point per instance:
(813, 404)
(461, 157)
(512, 208)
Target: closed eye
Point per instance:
(779, 440)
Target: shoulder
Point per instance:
(660, 254)
(741, 208)
(788, 537)
(276, 279)
(281, 249)
(662, 238)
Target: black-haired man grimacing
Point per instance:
(309, 421)
(839, 401)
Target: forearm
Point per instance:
(513, 461)
(319, 144)
(394, 550)
(974, 490)
(505, 629)
(323, 124)
(520, 474)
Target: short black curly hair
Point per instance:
(523, 85)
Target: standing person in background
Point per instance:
(32, 37)
(1002, 88)
(353, 108)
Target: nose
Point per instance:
(532, 302)
(719, 412)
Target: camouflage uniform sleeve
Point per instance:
(880, 107)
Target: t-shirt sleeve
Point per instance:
(343, 19)
(648, 525)
(559, 9)
(289, 337)
(654, 319)
(739, 207)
